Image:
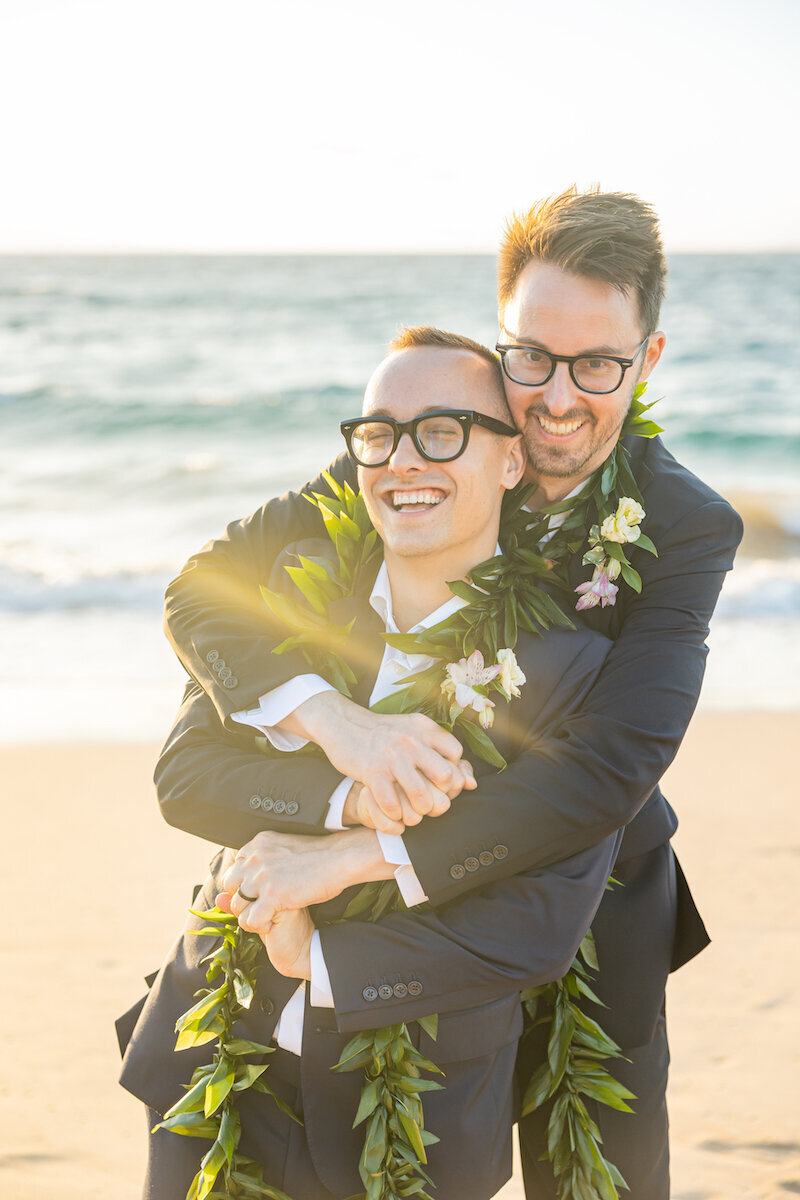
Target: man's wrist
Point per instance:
(313, 718)
(360, 858)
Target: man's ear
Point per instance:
(516, 461)
(653, 353)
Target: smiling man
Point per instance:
(436, 455)
(581, 280)
(570, 406)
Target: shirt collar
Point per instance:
(381, 601)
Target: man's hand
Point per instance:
(288, 943)
(411, 767)
(277, 871)
(362, 808)
(287, 937)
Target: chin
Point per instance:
(556, 465)
(416, 547)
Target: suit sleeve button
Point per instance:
(231, 682)
(370, 993)
(457, 871)
(225, 673)
(414, 987)
(386, 991)
(255, 802)
(292, 807)
(500, 852)
(400, 990)
(279, 806)
(486, 858)
(471, 864)
(267, 1007)
(212, 656)
(267, 803)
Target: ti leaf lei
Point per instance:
(503, 595)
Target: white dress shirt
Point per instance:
(395, 668)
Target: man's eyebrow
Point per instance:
(605, 348)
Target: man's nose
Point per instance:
(560, 393)
(406, 456)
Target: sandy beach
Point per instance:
(102, 883)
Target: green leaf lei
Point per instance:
(504, 594)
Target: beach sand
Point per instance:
(101, 883)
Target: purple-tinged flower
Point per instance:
(597, 590)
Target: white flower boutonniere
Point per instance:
(468, 681)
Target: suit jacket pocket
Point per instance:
(474, 1032)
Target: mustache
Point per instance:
(541, 410)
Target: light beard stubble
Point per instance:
(557, 465)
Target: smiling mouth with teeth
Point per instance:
(559, 428)
(415, 501)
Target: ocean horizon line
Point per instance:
(189, 252)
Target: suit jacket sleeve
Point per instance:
(214, 612)
(214, 782)
(591, 771)
(509, 935)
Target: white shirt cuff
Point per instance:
(275, 705)
(336, 805)
(321, 994)
(288, 1033)
(394, 851)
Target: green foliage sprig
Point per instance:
(394, 1143)
(208, 1110)
(577, 1049)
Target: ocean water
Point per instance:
(147, 401)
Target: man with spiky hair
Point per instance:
(581, 281)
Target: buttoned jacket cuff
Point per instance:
(394, 852)
(274, 706)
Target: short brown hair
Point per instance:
(428, 335)
(610, 236)
(411, 336)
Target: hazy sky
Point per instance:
(362, 125)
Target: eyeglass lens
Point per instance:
(592, 374)
(439, 438)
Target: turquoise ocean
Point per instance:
(147, 401)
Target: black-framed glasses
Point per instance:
(439, 436)
(596, 373)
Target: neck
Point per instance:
(419, 584)
(550, 489)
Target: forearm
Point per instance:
(590, 770)
(588, 774)
(286, 872)
(215, 784)
(510, 935)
